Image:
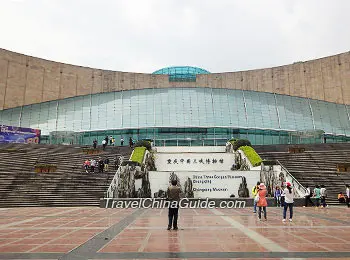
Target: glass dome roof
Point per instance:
(181, 73)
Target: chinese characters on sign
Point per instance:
(194, 161)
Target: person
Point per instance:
(92, 165)
(94, 144)
(104, 143)
(113, 141)
(282, 196)
(277, 196)
(121, 141)
(130, 142)
(341, 197)
(100, 165)
(106, 162)
(323, 192)
(87, 166)
(110, 140)
(308, 196)
(262, 202)
(106, 138)
(255, 190)
(347, 192)
(174, 193)
(116, 162)
(317, 195)
(288, 203)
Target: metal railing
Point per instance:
(114, 184)
(115, 181)
(295, 183)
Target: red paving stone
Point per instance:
(200, 231)
(16, 248)
(158, 247)
(121, 248)
(343, 247)
(31, 241)
(54, 248)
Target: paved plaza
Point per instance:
(95, 233)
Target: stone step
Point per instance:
(67, 186)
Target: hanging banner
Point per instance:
(14, 134)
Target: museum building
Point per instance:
(305, 102)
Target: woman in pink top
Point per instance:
(262, 203)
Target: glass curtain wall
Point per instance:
(186, 116)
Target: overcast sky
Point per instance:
(146, 35)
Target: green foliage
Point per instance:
(252, 156)
(138, 154)
(144, 143)
(233, 140)
(237, 143)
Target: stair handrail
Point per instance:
(115, 181)
(114, 185)
(301, 187)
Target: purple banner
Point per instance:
(14, 134)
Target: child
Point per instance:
(278, 196)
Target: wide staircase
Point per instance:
(69, 185)
(316, 166)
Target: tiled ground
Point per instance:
(70, 233)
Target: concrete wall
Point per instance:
(27, 80)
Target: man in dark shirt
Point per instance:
(174, 192)
(101, 165)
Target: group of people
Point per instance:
(100, 164)
(284, 197)
(319, 193)
(345, 198)
(111, 141)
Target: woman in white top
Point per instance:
(288, 202)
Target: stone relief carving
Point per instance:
(240, 164)
(188, 191)
(127, 177)
(243, 191)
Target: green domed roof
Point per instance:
(181, 73)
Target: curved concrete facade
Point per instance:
(26, 80)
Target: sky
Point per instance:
(146, 35)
